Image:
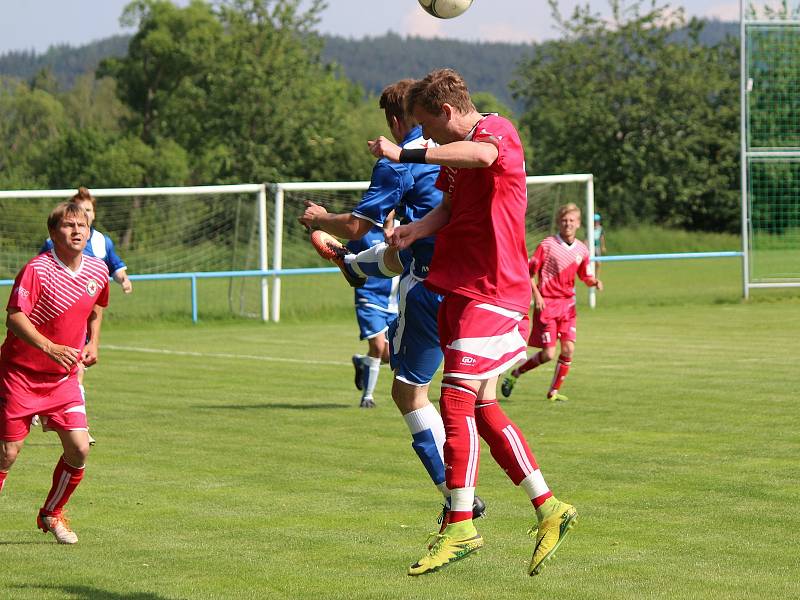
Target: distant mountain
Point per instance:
(65, 61)
(371, 62)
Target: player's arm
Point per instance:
(121, 277)
(93, 323)
(587, 277)
(538, 300)
(20, 325)
(462, 154)
(405, 235)
(344, 225)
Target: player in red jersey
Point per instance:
(555, 263)
(480, 266)
(55, 306)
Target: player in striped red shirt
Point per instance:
(555, 263)
(480, 266)
(54, 315)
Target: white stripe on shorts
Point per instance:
(492, 347)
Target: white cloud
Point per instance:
(728, 11)
(417, 22)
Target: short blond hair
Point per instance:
(568, 208)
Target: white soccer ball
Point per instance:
(445, 9)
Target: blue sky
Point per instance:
(37, 24)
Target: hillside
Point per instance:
(372, 61)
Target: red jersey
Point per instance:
(556, 263)
(480, 253)
(58, 303)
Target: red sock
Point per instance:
(507, 444)
(461, 446)
(533, 362)
(3, 475)
(65, 479)
(562, 368)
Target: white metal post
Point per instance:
(744, 159)
(590, 228)
(277, 251)
(262, 250)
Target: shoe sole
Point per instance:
(447, 564)
(322, 244)
(572, 520)
(357, 366)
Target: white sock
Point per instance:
(534, 485)
(371, 380)
(461, 499)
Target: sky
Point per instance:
(38, 24)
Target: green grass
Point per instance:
(239, 466)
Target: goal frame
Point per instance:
(247, 188)
(279, 190)
(751, 155)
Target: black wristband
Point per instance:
(413, 155)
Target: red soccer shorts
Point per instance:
(479, 340)
(556, 322)
(22, 397)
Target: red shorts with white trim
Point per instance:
(556, 322)
(57, 401)
(479, 340)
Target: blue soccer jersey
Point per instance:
(100, 246)
(407, 188)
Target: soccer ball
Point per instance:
(445, 9)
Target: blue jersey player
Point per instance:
(413, 337)
(376, 307)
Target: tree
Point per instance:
(654, 119)
(240, 86)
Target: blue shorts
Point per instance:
(372, 321)
(414, 335)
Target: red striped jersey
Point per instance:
(556, 263)
(58, 302)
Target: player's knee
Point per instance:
(8, 454)
(77, 454)
(547, 354)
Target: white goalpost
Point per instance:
(220, 232)
(161, 233)
(290, 250)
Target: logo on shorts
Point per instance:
(468, 360)
(92, 287)
(21, 292)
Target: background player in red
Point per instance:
(54, 315)
(480, 266)
(555, 262)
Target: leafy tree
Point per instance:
(656, 120)
(242, 86)
(30, 119)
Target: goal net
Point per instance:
(292, 250)
(770, 95)
(159, 233)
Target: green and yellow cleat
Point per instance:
(556, 397)
(508, 385)
(550, 532)
(458, 541)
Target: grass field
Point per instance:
(233, 462)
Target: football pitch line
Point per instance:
(223, 355)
